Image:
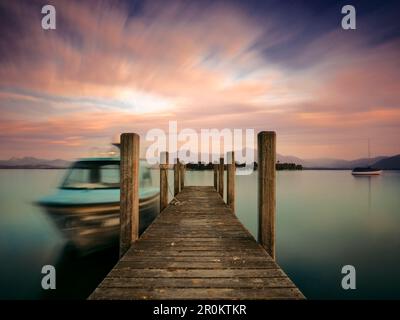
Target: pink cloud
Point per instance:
(101, 69)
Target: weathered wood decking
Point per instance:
(197, 249)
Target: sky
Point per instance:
(132, 66)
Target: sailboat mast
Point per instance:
(369, 153)
(369, 150)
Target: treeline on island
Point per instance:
(288, 166)
(209, 166)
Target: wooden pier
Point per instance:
(197, 248)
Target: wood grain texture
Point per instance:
(196, 250)
(221, 177)
(182, 170)
(176, 177)
(129, 198)
(230, 181)
(215, 167)
(164, 180)
(266, 190)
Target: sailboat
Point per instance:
(366, 171)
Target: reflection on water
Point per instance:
(78, 276)
(325, 219)
(330, 219)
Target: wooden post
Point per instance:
(216, 177)
(182, 175)
(230, 181)
(221, 177)
(163, 180)
(266, 190)
(129, 192)
(176, 177)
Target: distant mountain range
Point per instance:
(33, 163)
(381, 162)
(328, 163)
(389, 163)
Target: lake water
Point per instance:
(325, 220)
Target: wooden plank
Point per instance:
(197, 250)
(174, 252)
(232, 228)
(235, 242)
(193, 246)
(197, 293)
(196, 273)
(196, 265)
(203, 259)
(131, 282)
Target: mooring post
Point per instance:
(176, 177)
(182, 175)
(163, 180)
(129, 191)
(216, 177)
(230, 180)
(221, 177)
(266, 190)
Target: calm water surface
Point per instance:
(325, 220)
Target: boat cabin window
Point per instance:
(101, 175)
(93, 175)
(145, 177)
(110, 174)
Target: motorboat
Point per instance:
(86, 206)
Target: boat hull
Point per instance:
(367, 173)
(93, 227)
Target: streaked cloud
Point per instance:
(109, 68)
